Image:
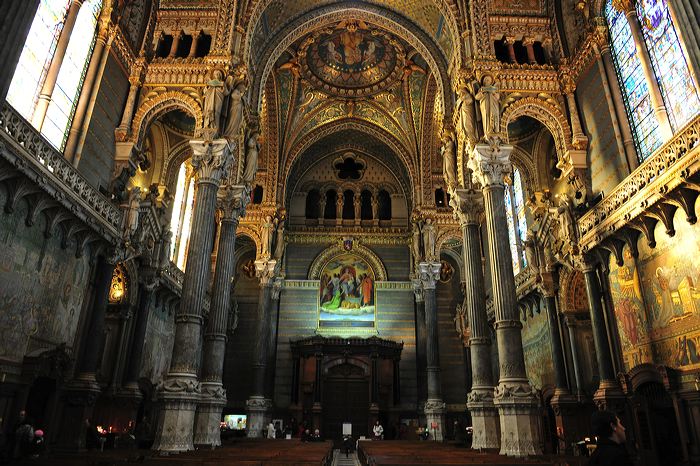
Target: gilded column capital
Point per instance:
(624, 6)
(490, 163)
(232, 201)
(468, 206)
(429, 274)
(210, 159)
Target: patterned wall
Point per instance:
(158, 346)
(537, 346)
(42, 287)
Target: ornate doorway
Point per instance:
(345, 399)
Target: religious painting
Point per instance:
(347, 293)
(446, 271)
(353, 59)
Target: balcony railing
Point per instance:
(30, 153)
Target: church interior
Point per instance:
(472, 221)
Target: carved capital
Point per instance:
(232, 201)
(468, 206)
(490, 163)
(429, 274)
(210, 159)
(266, 270)
(277, 285)
(418, 290)
(623, 6)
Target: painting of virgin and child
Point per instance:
(346, 293)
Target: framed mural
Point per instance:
(346, 298)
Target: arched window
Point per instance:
(348, 205)
(366, 205)
(517, 225)
(61, 90)
(384, 205)
(181, 220)
(330, 209)
(671, 72)
(312, 204)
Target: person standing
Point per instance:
(378, 430)
(610, 448)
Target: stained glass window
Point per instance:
(670, 66)
(181, 220)
(633, 84)
(517, 224)
(38, 53)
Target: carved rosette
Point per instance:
(490, 164)
(210, 159)
(428, 274)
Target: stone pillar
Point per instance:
(374, 398)
(529, 43)
(316, 409)
(81, 393)
(514, 397)
(175, 44)
(193, 47)
(509, 41)
(570, 323)
(564, 405)
(231, 204)
(469, 207)
(654, 90)
(179, 392)
(272, 341)
(88, 94)
(609, 395)
(683, 12)
(421, 342)
(434, 406)
(396, 381)
(258, 404)
(16, 18)
(122, 131)
(49, 84)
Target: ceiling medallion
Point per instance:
(352, 59)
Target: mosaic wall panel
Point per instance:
(537, 346)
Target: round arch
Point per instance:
(163, 103)
(549, 115)
(172, 162)
(523, 162)
(245, 231)
(364, 252)
(331, 14)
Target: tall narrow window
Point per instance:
(35, 60)
(181, 220)
(670, 66)
(517, 224)
(634, 87)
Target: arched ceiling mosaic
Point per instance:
(434, 18)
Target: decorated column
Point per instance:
(429, 273)
(514, 397)
(179, 392)
(258, 404)
(420, 344)
(484, 415)
(231, 204)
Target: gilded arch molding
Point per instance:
(359, 125)
(332, 14)
(245, 230)
(157, 106)
(334, 250)
(256, 9)
(549, 115)
(525, 163)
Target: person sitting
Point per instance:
(610, 448)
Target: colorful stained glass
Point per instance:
(36, 56)
(634, 86)
(670, 66)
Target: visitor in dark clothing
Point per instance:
(610, 448)
(92, 437)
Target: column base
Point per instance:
(207, 419)
(485, 422)
(517, 409)
(609, 397)
(178, 395)
(435, 418)
(258, 415)
(79, 396)
(566, 409)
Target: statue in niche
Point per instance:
(266, 236)
(490, 105)
(415, 242)
(530, 244)
(131, 219)
(279, 242)
(235, 109)
(429, 239)
(449, 164)
(357, 204)
(467, 113)
(375, 206)
(214, 97)
(251, 158)
(565, 213)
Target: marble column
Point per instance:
(174, 46)
(571, 325)
(529, 43)
(514, 397)
(421, 333)
(316, 408)
(16, 18)
(49, 84)
(81, 393)
(180, 391)
(468, 208)
(657, 101)
(510, 41)
(608, 395)
(122, 131)
(271, 369)
(231, 202)
(258, 405)
(434, 409)
(193, 46)
(685, 14)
